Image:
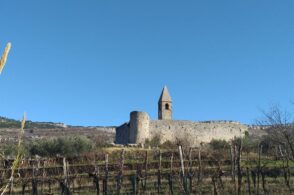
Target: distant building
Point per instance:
(141, 127)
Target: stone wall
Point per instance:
(141, 128)
(122, 134)
(195, 132)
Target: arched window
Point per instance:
(167, 106)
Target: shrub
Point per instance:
(168, 145)
(70, 146)
(102, 140)
(185, 140)
(249, 144)
(216, 144)
(154, 142)
(9, 149)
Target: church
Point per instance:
(141, 128)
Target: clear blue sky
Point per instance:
(92, 62)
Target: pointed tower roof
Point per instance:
(165, 97)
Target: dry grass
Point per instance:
(18, 159)
(4, 56)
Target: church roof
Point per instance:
(165, 97)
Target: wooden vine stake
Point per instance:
(184, 181)
(190, 174)
(95, 176)
(199, 165)
(105, 181)
(146, 169)
(182, 161)
(239, 166)
(120, 174)
(159, 173)
(170, 178)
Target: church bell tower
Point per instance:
(165, 110)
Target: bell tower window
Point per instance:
(167, 106)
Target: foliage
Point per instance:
(280, 129)
(154, 142)
(185, 140)
(101, 140)
(218, 149)
(168, 145)
(65, 146)
(249, 144)
(267, 144)
(246, 134)
(10, 150)
(216, 144)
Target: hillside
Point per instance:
(12, 123)
(9, 129)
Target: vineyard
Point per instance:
(138, 171)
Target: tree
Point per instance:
(280, 128)
(217, 144)
(65, 146)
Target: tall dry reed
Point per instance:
(4, 56)
(2, 63)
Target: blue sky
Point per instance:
(92, 62)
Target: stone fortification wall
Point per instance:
(139, 127)
(122, 134)
(196, 132)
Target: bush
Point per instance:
(249, 144)
(216, 144)
(154, 142)
(185, 140)
(268, 146)
(169, 145)
(102, 140)
(9, 150)
(70, 146)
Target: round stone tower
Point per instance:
(139, 127)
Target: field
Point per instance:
(141, 171)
